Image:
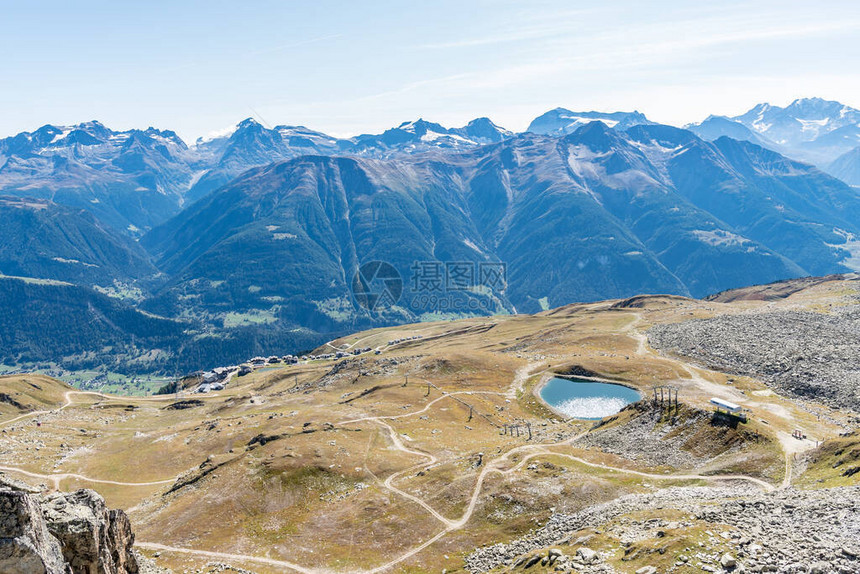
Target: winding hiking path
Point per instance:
(56, 478)
(227, 556)
(530, 451)
(492, 466)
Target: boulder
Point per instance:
(588, 555)
(728, 561)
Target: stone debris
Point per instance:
(786, 531)
(658, 437)
(805, 355)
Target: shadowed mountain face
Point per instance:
(598, 213)
(43, 240)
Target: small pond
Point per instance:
(583, 399)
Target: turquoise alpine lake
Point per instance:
(581, 399)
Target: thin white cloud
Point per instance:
(535, 27)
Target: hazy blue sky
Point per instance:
(361, 66)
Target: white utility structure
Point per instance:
(726, 405)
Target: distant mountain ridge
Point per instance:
(561, 121)
(809, 129)
(252, 241)
(134, 180)
(594, 214)
(130, 180)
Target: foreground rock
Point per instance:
(63, 533)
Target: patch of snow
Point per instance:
(196, 177)
(61, 135)
(434, 136)
(578, 121)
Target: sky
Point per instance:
(360, 67)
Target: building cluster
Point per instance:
(217, 379)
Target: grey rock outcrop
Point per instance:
(26, 545)
(63, 533)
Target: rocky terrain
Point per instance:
(403, 449)
(809, 355)
(62, 533)
(737, 530)
(680, 438)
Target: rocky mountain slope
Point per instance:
(792, 531)
(807, 355)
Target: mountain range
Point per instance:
(255, 241)
(818, 131)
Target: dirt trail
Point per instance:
(56, 478)
(228, 556)
(491, 466)
(521, 375)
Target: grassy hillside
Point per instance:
(20, 394)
